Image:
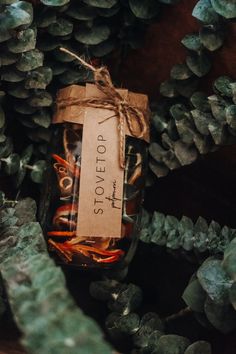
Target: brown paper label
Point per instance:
(101, 181)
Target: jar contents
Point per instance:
(62, 216)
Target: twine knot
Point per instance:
(124, 112)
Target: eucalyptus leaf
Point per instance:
(23, 107)
(17, 91)
(214, 281)
(12, 75)
(54, 2)
(45, 17)
(17, 14)
(104, 4)
(144, 9)
(7, 58)
(168, 88)
(199, 101)
(108, 12)
(61, 27)
(171, 344)
(81, 12)
(149, 324)
(194, 296)
(180, 72)
(199, 347)
(221, 317)
(11, 164)
(223, 86)
(192, 42)
(30, 60)
(225, 8)
(94, 35)
(38, 171)
(210, 38)
(103, 48)
(38, 78)
(42, 119)
(40, 99)
(199, 64)
(25, 41)
(204, 12)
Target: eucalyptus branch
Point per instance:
(183, 234)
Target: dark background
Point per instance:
(206, 188)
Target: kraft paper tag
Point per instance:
(101, 180)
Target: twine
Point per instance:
(113, 101)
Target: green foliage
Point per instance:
(168, 231)
(225, 8)
(214, 281)
(144, 9)
(37, 295)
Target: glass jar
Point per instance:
(61, 202)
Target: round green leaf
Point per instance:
(103, 48)
(93, 35)
(54, 2)
(171, 344)
(199, 347)
(11, 164)
(61, 27)
(192, 42)
(42, 118)
(180, 72)
(221, 317)
(23, 107)
(214, 280)
(168, 88)
(40, 99)
(200, 102)
(199, 64)
(7, 58)
(225, 8)
(204, 12)
(38, 78)
(194, 296)
(18, 91)
(211, 39)
(24, 42)
(37, 173)
(144, 9)
(81, 12)
(105, 4)
(12, 75)
(30, 60)
(223, 85)
(17, 14)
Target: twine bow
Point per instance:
(112, 101)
